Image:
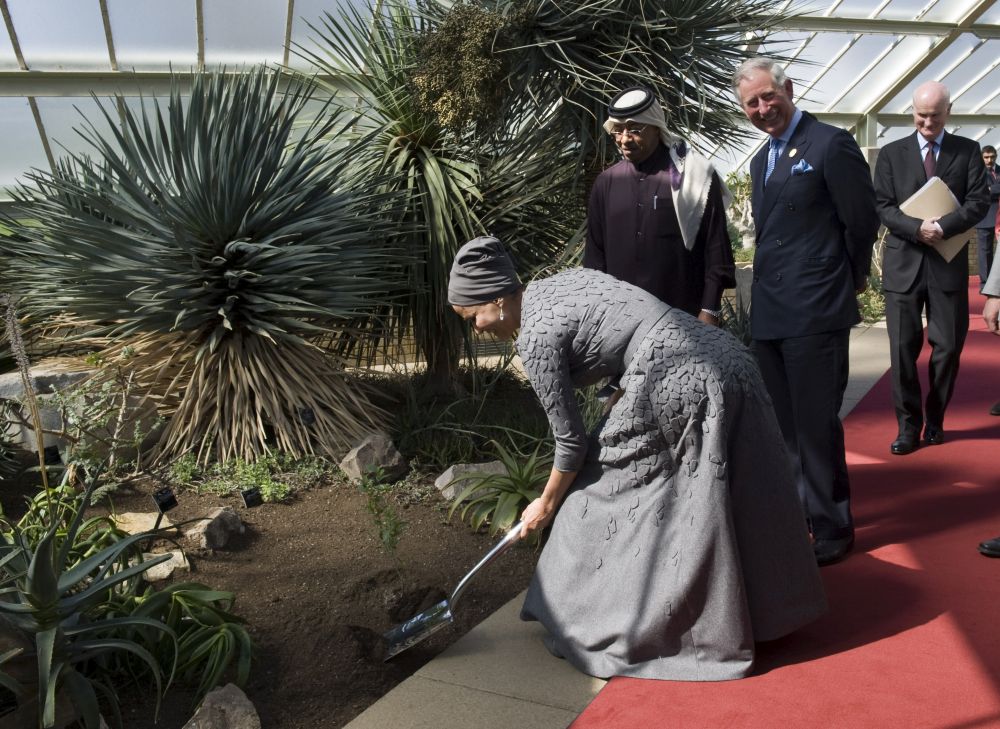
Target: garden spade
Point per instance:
(406, 635)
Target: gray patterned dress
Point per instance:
(682, 540)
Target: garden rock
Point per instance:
(456, 478)
(225, 708)
(373, 453)
(134, 522)
(744, 280)
(23, 435)
(214, 529)
(164, 570)
(45, 377)
(58, 376)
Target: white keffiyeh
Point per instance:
(691, 194)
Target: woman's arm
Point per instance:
(539, 513)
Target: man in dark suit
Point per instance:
(985, 235)
(915, 277)
(814, 211)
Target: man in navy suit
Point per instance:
(985, 228)
(916, 278)
(814, 212)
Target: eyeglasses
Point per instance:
(628, 132)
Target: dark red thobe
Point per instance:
(633, 234)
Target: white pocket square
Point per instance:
(801, 167)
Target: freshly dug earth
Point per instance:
(318, 589)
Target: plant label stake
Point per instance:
(408, 634)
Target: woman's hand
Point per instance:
(991, 314)
(536, 516)
(540, 512)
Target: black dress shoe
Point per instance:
(991, 547)
(904, 444)
(933, 435)
(828, 551)
(995, 410)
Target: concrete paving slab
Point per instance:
(869, 361)
(505, 655)
(423, 703)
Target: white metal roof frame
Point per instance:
(856, 61)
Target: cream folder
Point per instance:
(935, 200)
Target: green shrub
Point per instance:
(70, 586)
(8, 450)
(184, 470)
(215, 236)
(276, 476)
(379, 506)
(871, 301)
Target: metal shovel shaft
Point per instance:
(414, 630)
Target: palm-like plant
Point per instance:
(568, 58)
(455, 183)
(213, 241)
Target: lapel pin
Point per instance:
(792, 153)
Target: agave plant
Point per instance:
(215, 238)
(454, 182)
(736, 320)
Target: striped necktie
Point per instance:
(772, 158)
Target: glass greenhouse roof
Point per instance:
(856, 61)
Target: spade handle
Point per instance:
(502, 546)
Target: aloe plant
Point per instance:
(53, 582)
(499, 498)
(205, 639)
(216, 239)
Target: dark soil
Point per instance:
(318, 589)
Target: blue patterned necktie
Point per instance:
(772, 158)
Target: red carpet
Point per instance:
(912, 638)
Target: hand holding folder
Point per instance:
(935, 200)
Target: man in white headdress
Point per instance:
(657, 219)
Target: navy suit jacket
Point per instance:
(816, 225)
(899, 173)
(989, 221)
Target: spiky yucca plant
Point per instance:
(454, 183)
(213, 239)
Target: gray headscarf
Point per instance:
(482, 271)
